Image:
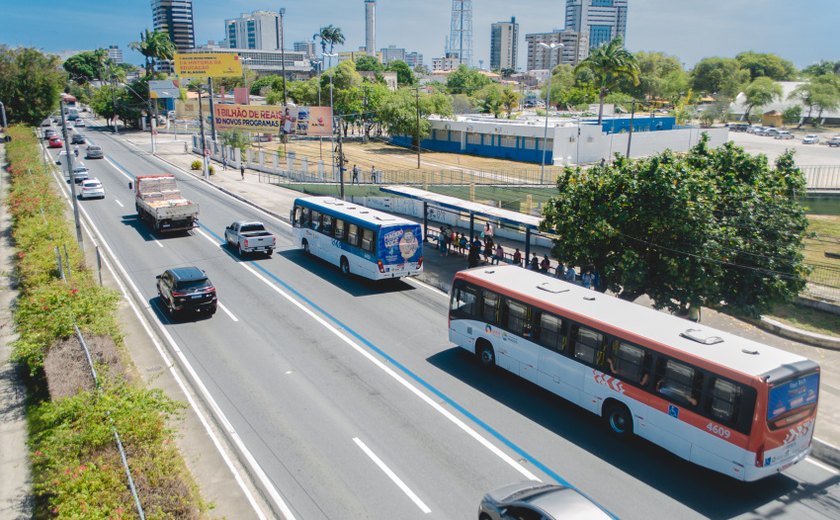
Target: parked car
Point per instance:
(538, 500)
(771, 132)
(811, 139)
(834, 141)
(80, 123)
(755, 129)
(94, 151)
(738, 127)
(90, 189)
(784, 134)
(55, 142)
(186, 289)
(80, 173)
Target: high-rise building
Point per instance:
(414, 59)
(575, 49)
(460, 43)
(305, 46)
(115, 54)
(258, 30)
(175, 18)
(600, 20)
(392, 53)
(504, 45)
(370, 27)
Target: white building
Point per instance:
(446, 63)
(414, 59)
(264, 62)
(392, 53)
(504, 45)
(259, 30)
(600, 20)
(575, 49)
(115, 54)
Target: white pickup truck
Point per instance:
(158, 200)
(250, 237)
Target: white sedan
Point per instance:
(811, 139)
(80, 122)
(91, 188)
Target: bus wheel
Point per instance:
(305, 245)
(618, 419)
(345, 266)
(486, 355)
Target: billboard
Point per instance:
(274, 119)
(207, 65)
(164, 89)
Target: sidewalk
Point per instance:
(439, 270)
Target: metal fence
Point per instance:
(822, 177)
(824, 283)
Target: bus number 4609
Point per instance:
(720, 431)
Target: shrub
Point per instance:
(211, 169)
(195, 165)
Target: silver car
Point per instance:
(538, 501)
(91, 188)
(94, 152)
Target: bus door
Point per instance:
(519, 341)
(556, 372)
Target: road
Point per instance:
(355, 405)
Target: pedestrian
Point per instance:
(534, 265)
(462, 243)
(224, 163)
(694, 312)
(442, 240)
(242, 170)
(500, 254)
(488, 249)
(586, 279)
(76, 150)
(571, 275)
(545, 264)
(559, 271)
(473, 255)
(488, 230)
(372, 174)
(355, 173)
(517, 258)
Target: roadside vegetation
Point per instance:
(77, 471)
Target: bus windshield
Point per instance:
(400, 244)
(792, 395)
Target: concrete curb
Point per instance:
(826, 452)
(802, 336)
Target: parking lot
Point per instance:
(819, 154)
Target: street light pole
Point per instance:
(630, 135)
(417, 105)
(283, 52)
(72, 177)
(550, 47)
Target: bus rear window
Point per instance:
(793, 395)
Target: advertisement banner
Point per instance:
(274, 119)
(202, 65)
(164, 89)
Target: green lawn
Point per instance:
(807, 318)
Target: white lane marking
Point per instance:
(424, 285)
(120, 170)
(120, 204)
(208, 398)
(396, 376)
(393, 476)
(230, 314)
(821, 465)
(158, 242)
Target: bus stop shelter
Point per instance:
(527, 223)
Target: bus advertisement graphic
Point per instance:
(400, 245)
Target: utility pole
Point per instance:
(114, 101)
(364, 118)
(201, 129)
(212, 118)
(283, 52)
(3, 113)
(72, 177)
(341, 162)
(417, 104)
(630, 135)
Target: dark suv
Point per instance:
(186, 289)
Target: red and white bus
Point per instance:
(727, 403)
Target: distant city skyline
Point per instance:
(688, 30)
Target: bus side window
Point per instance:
(725, 401)
(353, 234)
(588, 345)
(328, 225)
(517, 317)
(464, 301)
(629, 362)
(679, 382)
(297, 216)
(304, 217)
(315, 221)
(367, 239)
(550, 332)
(339, 229)
(489, 307)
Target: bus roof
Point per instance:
(355, 211)
(637, 322)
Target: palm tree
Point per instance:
(154, 45)
(609, 63)
(330, 36)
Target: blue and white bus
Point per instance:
(362, 241)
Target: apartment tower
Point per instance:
(599, 20)
(504, 45)
(175, 18)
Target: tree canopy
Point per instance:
(686, 229)
(30, 84)
(760, 92)
(86, 66)
(154, 45)
(766, 65)
(722, 76)
(609, 64)
(405, 76)
(466, 81)
(399, 112)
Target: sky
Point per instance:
(803, 32)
